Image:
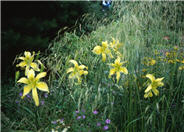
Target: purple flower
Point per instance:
(98, 124)
(61, 120)
(108, 121)
(106, 127)
(95, 112)
(77, 111)
(17, 102)
(46, 95)
(42, 102)
(54, 122)
(79, 117)
(20, 94)
(28, 96)
(83, 116)
(83, 110)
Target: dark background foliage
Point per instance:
(32, 25)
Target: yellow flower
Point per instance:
(117, 69)
(27, 62)
(115, 45)
(77, 71)
(175, 47)
(181, 68)
(148, 61)
(144, 70)
(33, 83)
(153, 86)
(104, 50)
(152, 62)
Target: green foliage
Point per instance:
(141, 27)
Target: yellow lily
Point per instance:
(77, 71)
(104, 50)
(115, 44)
(27, 62)
(118, 69)
(153, 86)
(32, 83)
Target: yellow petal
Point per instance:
(22, 64)
(117, 61)
(103, 57)
(27, 54)
(117, 76)
(124, 70)
(70, 69)
(71, 76)
(85, 72)
(81, 67)
(31, 74)
(149, 94)
(41, 63)
(35, 66)
(35, 96)
(107, 51)
(112, 71)
(151, 77)
(155, 91)
(21, 58)
(23, 80)
(41, 75)
(42, 86)
(79, 79)
(27, 70)
(81, 72)
(159, 79)
(97, 50)
(27, 89)
(74, 62)
(104, 44)
(148, 89)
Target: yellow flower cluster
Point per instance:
(77, 71)
(148, 61)
(105, 49)
(173, 56)
(32, 82)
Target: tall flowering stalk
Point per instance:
(153, 86)
(104, 50)
(117, 69)
(77, 71)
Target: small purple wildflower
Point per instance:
(28, 96)
(98, 124)
(95, 112)
(83, 110)
(106, 127)
(42, 102)
(46, 95)
(108, 121)
(77, 111)
(54, 122)
(79, 117)
(17, 102)
(61, 120)
(20, 94)
(83, 116)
